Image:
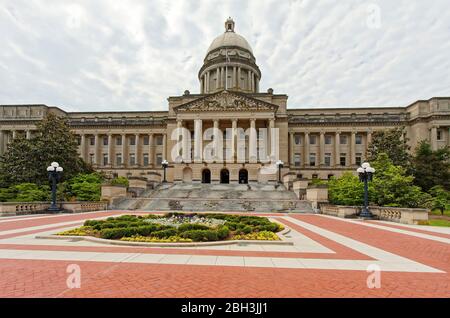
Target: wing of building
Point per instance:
(312, 143)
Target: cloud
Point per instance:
(132, 55)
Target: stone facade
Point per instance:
(312, 142)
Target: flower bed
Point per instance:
(178, 227)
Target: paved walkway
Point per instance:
(329, 257)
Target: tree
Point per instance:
(431, 168)
(391, 186)
(85, 187)
(26, 160)
(392, 142)
(440, 198)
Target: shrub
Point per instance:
(120, 181)
(164, 233)
(112, 234)
(223, 232)
(200, 235)
(191, 226)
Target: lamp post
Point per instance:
(54, 175)
(279, 164)
(365, 175)
(165, 164)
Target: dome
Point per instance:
(229, 38)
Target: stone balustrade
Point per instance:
(393, 214)
(23, 208)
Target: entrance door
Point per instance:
(243, 176)
(224, 176)
(206, 176)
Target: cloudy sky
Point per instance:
(100, 55)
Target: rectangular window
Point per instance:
(312, 140)
(439, 135)
(358, 159)
(146, 140)
(297, 160)
(105, 159)
(118, 159)
(105, 140)
(79, 140)
(92, 141)
(159, 159)
(312, 159)
(159, 140)
(328, 159)
(119, 141)
(132, 141)
(132, 159)
(145, 159)
(358, 139)
(297, 139)
(343, 139)
(328, 140)
(343, 159)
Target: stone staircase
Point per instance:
(216, 197)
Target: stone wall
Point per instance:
(23, 208)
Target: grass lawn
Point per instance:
(437, 212)
(445, 223)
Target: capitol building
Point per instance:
(312, 143)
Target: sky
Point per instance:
(107, 55)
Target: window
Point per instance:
(92, 141)
(312, 159)
(105, 159)
(159, 159)
(91, 158)
(330, 176)
(328, 159)
(119, 141)
(297, 160)
(312, 140)
(343, 159)
(315, 176)
(358, 139)
(146, 140)
(297, 139)
(145, 159)
(78, 140)
(343, 140)
(358, 159)
(105, 140)
(159, 140)
(439, 134)
(132, 140)
(118, 159)
(328, 140)
(132, 159)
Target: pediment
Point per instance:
(226, 101)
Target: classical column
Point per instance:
(28, 134)
(248, 81)
(2, 142)
(198, 141)
(97, 150)
(234, 84)
(291, 149)
(369, 138)
(322, 149)
(14, 134)
(124, 150)
(253, 142)
(352, 148)
(433, 138)
(164, 153)
(83, 147)
(233, 154)
(216, 145)
(337, 150)
(151, 150)
(110, 149)
(272, 146)
(179, 144)
(137, 152)
(306, 149)
(239, 78)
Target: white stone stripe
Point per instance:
(395, 230)
(206, 260)
(386, 258)
(6, 219)
(429, 228)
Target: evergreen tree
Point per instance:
(431, 168)
(392, 142)
(25, 161)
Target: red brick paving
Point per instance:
(443, 235)
(36, 278)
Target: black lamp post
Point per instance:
(279, 164)
(54, 176)
(365, 175)
(165, 164)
